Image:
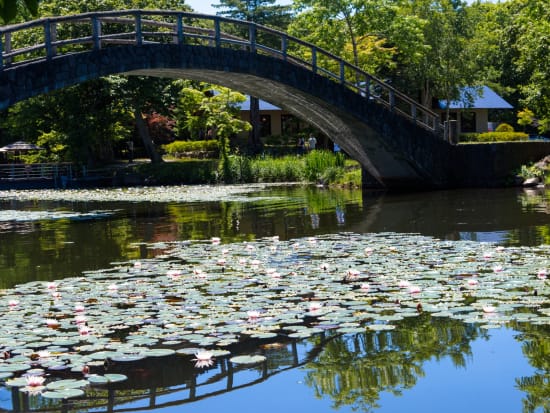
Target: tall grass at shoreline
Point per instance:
(315, 167)
(319, 167)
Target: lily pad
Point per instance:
(253, 359)
(63, 393)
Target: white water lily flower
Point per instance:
(203, 359)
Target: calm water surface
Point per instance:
(426, 365)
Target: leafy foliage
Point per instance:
(502, 136)
(9, 9)
(177, 148)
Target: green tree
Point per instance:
(9, 9)
(529, 42)
(264, 12)
(79, 124)
(350, 18)
(202, 107)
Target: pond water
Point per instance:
(454, 354)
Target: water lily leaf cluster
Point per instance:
(182, 193)
(201, 299)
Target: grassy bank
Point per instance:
(318, 167)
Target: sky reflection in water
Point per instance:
(486, 383)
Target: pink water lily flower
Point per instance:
(488, 309)
(34, 380)
(203, 359)
(79, 307)
(13, 303)
(315, 306)
(253, 315)
(414, 289)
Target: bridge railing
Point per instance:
(51, 37)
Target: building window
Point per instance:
(468, 122)
(265, 125)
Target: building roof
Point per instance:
(482, 97)
(263, 105)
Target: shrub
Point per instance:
(177, 148)
(178, 173)
(468, 137)
(502, 136)
(504, 127)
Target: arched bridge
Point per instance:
(397, 141)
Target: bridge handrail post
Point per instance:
(179, 28)
(49, 38)
(284, 47)
(313, 59)
(217, 32)
(342, 72)
(413, 112)
(2, 53)
(252, 37)
(367, 88)
(391, 99)
(139, 37)
(96, 32)
(7, 47)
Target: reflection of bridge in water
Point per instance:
(157, 383)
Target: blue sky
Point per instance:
(204, 6)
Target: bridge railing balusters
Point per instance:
(252, 34)
(217, 32)
(180, 29)
(1, 53)
(284, 46)
(96, 33)
(139, 36)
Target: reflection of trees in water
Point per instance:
(354, 369)
(536, 348)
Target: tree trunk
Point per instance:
(143, 133)
(254, 135)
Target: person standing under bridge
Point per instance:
(311, 142)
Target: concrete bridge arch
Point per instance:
(390, 148)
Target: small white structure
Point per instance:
(472, 111)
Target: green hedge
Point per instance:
(502, 137)
(177, 148)
(179, 173)
(494, 137)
